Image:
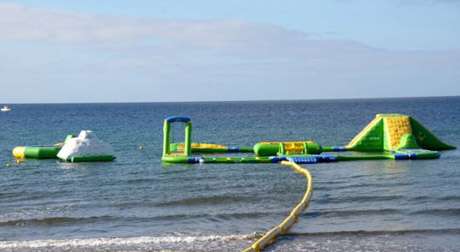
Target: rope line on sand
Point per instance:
(270, 236)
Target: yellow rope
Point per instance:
(270, 236)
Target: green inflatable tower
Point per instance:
(393, 132)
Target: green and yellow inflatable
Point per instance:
(387, 136)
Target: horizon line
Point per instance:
(234, 101)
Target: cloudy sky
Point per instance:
(176, 50)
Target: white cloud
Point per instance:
(138, 59)
(19, 22)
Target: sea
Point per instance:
(136, 203)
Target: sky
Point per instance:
(56, 51)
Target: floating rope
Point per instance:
(270, 236)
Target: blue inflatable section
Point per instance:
(183, 119)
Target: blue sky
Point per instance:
(121, 51)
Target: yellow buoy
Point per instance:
(19, 152)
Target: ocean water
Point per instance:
(138, 204)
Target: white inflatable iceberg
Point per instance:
(86, 148)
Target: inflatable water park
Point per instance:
(386, 137)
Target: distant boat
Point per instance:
(5, 109)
